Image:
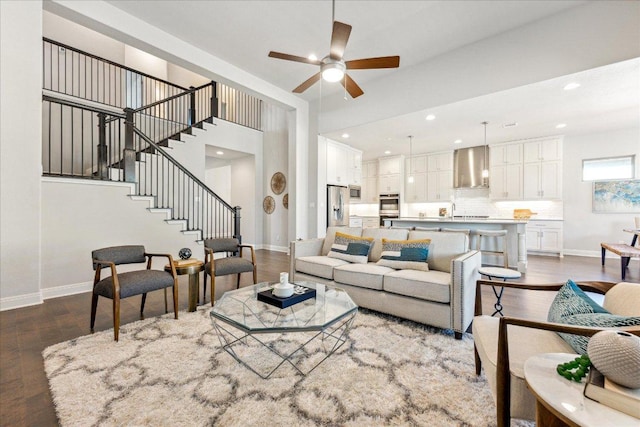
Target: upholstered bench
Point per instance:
(626, 252)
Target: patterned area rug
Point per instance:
(168, 372)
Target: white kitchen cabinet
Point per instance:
(505, 154)
(542, 180)
(505, 182)
(369, 190)
(416, 164)
(439, 186)
(543, 150)
(344, 164)
(369, 184)
(416, 191)
(389, 165)
(440, 162)
(544, 236)
(355, 221)
(390, 174)
(389, 184)
(371, 222)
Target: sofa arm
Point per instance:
(302, 248)
(464, 274)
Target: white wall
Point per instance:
(583, 229)
(218, 179)
(244, 187)
(20, 152)
(96, 215)
(275, 140)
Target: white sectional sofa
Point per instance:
(443, 296)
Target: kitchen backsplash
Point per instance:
(472, 202)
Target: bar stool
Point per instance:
(504, 273)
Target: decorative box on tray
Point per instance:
(268, 297)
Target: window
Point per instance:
(608, 168)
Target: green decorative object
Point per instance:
(576, 369)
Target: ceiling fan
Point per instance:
(333, 67)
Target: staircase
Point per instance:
(92, 131)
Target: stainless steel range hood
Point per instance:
(468, 164)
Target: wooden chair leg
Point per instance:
(478, 361)
(255, 275)
(238, 283)
(204, 288)
(116, 317)
(144, 299)
(623, 266)
(166, 306)
(94, 307)
(175, 300)
(213, 290)
(603, 252)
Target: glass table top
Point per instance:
(242, 309)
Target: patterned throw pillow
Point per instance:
(351, 248)
(572, 306)
(405, 254)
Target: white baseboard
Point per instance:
(65, 290)
(274, 248)
(593, 254)
(9, 303)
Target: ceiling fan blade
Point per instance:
(351, 86)
(288, 57)
(369, 63)
(339, 38)
(307, 83)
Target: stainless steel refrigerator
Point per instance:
(337, 206)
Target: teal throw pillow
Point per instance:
(572, 306)
(350, 248)
(405, 254)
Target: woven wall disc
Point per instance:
(269, 204)
(278, 183)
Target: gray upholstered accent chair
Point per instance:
(123, 285)
(233, 263)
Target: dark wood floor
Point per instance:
(24, 333)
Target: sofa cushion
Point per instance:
(444, 247)
(623, 299)
(405, 254)
(378, 234)
(573, 307)
(427, 285)
(331, 234)
(320, 266)
(368, 276)
(351, 248)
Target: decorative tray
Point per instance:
(268, 297)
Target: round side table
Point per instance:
(193, 269)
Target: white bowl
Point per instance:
(283, 291)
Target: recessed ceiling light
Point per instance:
(430, 117)
(561, 125)
(510, 125)
(457, 141)
(313, 57)
(345, 135)
(219, 153)
(387, 152)
(572, 86)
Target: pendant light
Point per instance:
(485, 170)
(410, 178)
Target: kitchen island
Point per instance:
(516, 237)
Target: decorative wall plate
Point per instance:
(269, 204)
(285, 201)
(278, 183)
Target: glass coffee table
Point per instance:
(263, 337)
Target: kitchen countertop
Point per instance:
(464, 220)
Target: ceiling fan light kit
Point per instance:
(333, 67)
(332, 70)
